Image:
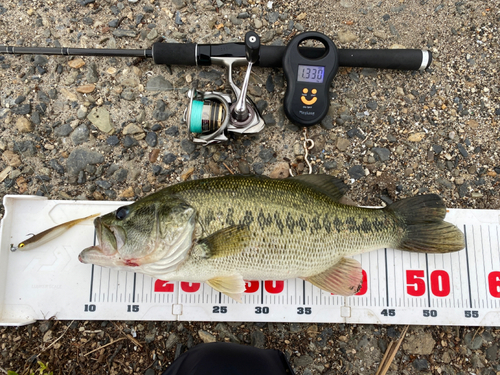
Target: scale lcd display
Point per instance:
(310, 73)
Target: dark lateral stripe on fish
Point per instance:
(292, 223)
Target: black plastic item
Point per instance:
(252, 46)
(308, 79)
(230, 359)
(174, 53)
(401, 59)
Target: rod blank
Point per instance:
(76, 51)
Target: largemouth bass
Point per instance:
(225, 230)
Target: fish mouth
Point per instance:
(110, 240)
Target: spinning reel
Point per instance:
(211, 114)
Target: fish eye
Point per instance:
(21, 244)
(122, 213)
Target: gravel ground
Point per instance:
(111, 128)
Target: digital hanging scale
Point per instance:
(308, 79)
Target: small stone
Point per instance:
(101, 119)
(372, 104)
(151, 139)
(383, 153)
(149, 338)
(437, 149)
(280, 171)
(128, 193)
(473, 341)
(258, 168)
(11, 159)
(420, 364)
(92, 73)
(416, 137)
(129, 141)
(269, 119)
(303, 360)
(462, 150)
(112, 140)
(159, 83)
(258, 339)
(171, 341)
(473, 124)
(80, 135)
(327, 122)
(356, 172)
(169, 158)
(346, 36)
(80, 158)
(86, 89)
(121, 33)
(330, 164)
(270, 83)
(47, 337)
(421, 343)
(266, 154)
(492, 353)
(188, 146)
(76, 63)
(179, 4)
(132, 129)
(244, 167)
(206, 337)
(187, 173)
(172, 131)
(24, 125)
(343, 144)
(45, 326)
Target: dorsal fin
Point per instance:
(323, 183)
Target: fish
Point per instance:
(50, 234)
(225, 230)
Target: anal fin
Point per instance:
(232, 286)
(344, 278)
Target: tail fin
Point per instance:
(425, 229)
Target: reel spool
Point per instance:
(207, 116)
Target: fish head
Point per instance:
(143, 232)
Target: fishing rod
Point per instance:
(309, 72)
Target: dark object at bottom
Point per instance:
(230, 359)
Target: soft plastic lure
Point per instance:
(49, 234)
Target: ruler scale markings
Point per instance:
(304, 292)
(92, 273)
(428, 281)
(109, 283)
(484, 264)
(91, 282)
(133, 288)
(100, 284)
(468, 269)
(262, 292)
(386, 278)
(473, 254)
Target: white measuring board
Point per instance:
(461, 288)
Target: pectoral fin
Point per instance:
(224, 242)
(232, 286)
(344, 278)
